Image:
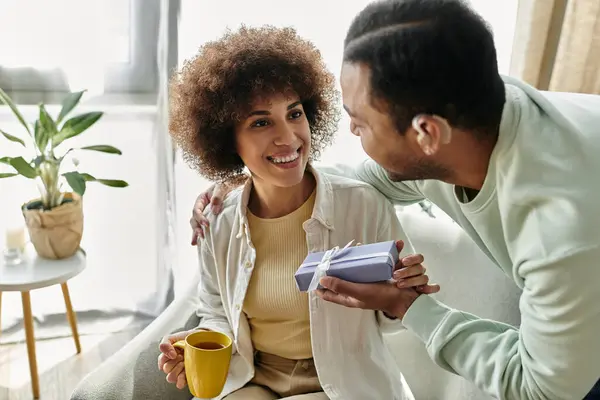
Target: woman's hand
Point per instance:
(410, 272)
(170, 360)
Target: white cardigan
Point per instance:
(350, 355)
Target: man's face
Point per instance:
(398, 153)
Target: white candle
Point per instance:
(15, 238)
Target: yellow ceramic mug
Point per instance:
(206, 357)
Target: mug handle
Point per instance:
(179, 344)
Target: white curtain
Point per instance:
(557, 45)
(165, 154)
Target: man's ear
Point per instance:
(432, 132)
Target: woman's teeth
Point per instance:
(286, 159)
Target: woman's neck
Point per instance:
(269, 201)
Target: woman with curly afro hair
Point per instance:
(262, 100)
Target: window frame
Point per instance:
(140, 75)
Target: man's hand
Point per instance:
(214, 196)
(382, 296)
(393, 298)
(410, 272)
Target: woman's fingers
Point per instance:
(169, 365)
(181, 380)
(173, 376)
(162, 360)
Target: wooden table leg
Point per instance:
(71, 316)
(28, 322)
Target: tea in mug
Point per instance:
(209, 346)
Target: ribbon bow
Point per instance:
(325, 264)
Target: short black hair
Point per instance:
(429, 56)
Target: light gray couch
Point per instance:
(469, 282)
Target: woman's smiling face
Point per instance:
(273, 140)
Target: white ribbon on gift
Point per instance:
(335, 256)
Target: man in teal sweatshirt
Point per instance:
(518, 169)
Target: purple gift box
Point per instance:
(366, 263)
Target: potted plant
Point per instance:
(55, 220)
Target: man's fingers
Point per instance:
(356, 290)
(413, 282)
(216, 201)
(197, 229)
(413, 259)
(194, 240)
(408, 272)
(428, 289)
(198, 219)
(216, 204)
(399, 245)
(194, 224)
(200, 204)
(337, 298)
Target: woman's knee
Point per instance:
(252, 392)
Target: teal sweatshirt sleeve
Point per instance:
(556, 352)
(368, 171)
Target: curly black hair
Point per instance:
(214, 90)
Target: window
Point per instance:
(52, 46)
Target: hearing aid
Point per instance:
(424, 138)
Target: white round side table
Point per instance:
(34, 273)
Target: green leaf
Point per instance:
(104, 148)
(23, 167)
(40, 137)
(76, 181)
(7, 175)
(5, 160)
(113, 183)
(68, 105)
(76, 126)
(37, 131)
(12, 138)
(107, 182)
(48, 129)
(7, 100)
(88, 177)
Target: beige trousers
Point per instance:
(276, 377)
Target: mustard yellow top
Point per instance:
(277, 311)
